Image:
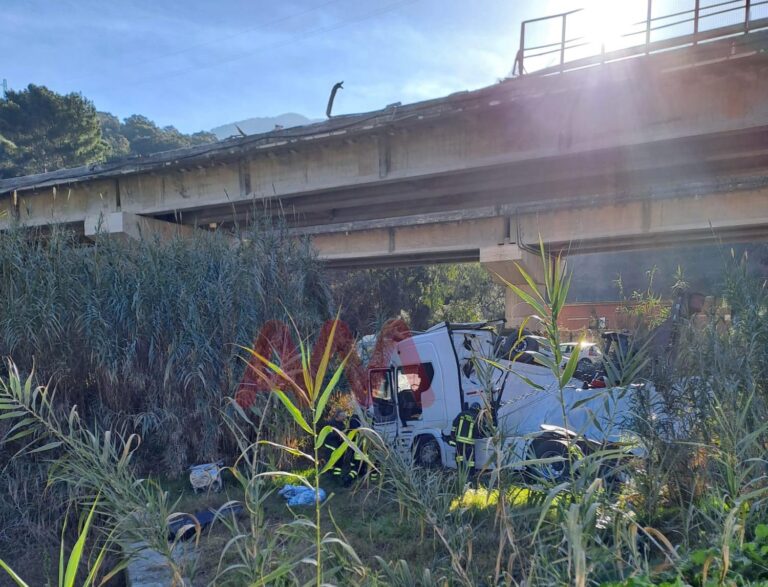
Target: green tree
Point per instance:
(48, 131)
(422, 295)
(7, 150)
(111, 130)
(145, 137)
(463, 292)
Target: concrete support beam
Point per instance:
(453, 241)
(737, 215)
(134, 226)
(505, 263)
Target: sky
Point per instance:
(197, 64)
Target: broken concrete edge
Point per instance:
(150, 568)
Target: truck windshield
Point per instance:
(381, 395)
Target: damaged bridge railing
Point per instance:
(619, 30)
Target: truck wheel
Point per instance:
(555, 471)
(511, 347)
(427, 452)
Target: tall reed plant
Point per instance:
(145, 333)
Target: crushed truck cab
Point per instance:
(431, 376)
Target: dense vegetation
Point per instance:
(41, 130)
(146, 333)
(422, 295)
(140, 336)
(135, 336)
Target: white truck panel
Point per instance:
(432, 372)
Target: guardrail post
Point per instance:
(648, 26)
(520, 52)
(747, 6)
(562, 42)
(696, 9)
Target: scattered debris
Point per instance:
(185, 526)
(206, 476)
(336, 87)
(300, 495)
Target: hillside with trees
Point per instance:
(138, 136)
(41, 130)
(44, 131)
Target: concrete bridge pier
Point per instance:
(133, 226)
(504, 263)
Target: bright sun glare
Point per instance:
(605, 21)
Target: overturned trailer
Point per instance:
(432, 376)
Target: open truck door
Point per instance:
(383, 404)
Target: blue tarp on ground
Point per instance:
(301, 495)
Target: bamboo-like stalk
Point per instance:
(145, 334)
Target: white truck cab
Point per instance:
(432, 376)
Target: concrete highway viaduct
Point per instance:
(664, 149)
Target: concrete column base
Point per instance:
(134, 226)
(517, 312)
(504, 263)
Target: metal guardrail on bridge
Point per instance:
(741, 16)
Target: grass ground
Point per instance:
(37, 563)
(371, 523)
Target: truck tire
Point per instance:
(550, 472)
(511, 348)
(427, 452)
